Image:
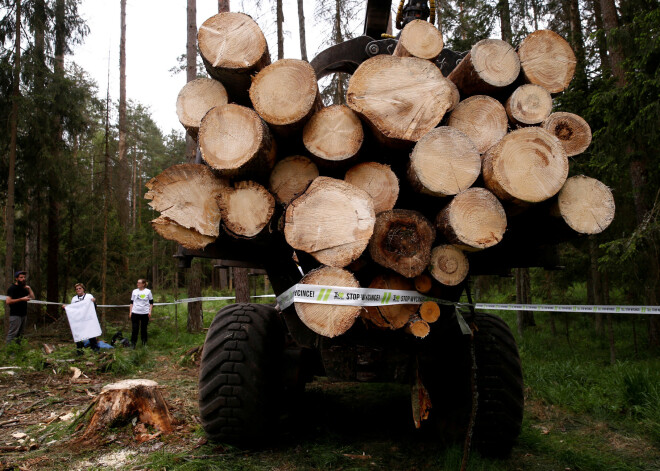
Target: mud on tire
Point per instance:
(240, 376)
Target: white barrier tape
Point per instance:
(178, 301)
(571, 308)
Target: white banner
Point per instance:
(83, 320)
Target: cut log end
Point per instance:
(573, 131)
(529, 104)
(421, 39)
(423, 283)
(378, 180)
(418, 327)
(449, 265)
(291, 177)
(429, 311)
(482, 118)
(547, 59)
(188, 238)
(395, 316)
(333, 134)
(586, 204)
(246, 208)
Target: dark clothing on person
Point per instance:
(16, 328)
(93, 344)
(140, 322)
(17, 292)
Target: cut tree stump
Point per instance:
(586, 204)
(286, 95)
(233, 49)
(402, 241)
(327, 319)
(333, 135)
(246, 208)
(122, 401)
(291, 177)
(491, 65)
(195, 99)
(444, 162)
(529, 104)
(333, 221)
(449, 265)
(378, 180)
(397, 315)
(546, 59)
(528, 165)
(482, 118)
(573, 131)
(421, 39)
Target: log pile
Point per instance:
(396, 188)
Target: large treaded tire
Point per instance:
(240, 374)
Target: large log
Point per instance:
(444, 162)
(401, 98)
(528, 165)
(421, 39)
(529, 104)
(195, 99)
(378, 180)
(448, 265)
(402, 241)
(546, 59)
(473, 220)
(482, 118)
(491, 65)
(395, 316)
(286, 95)
(290, 177)
(185, 194)
(246, 208)
(586, 204)
(572, 131)
(188, 238)
(333, 221)
(333, 135)
(327, 319)
(233, 49)
(235, 141)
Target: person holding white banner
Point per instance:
(142, 302)
(82, 318)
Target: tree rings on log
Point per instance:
(378, 180)
(421, 39)
(246, 208)
(286, 95)
(423, 283)
(397, 315)
(482, 118)
(429, 311)
(327, 319)
(195, 99)
(546, 59)
(491, 65)
(233, 48)
(291, 177)
(333, 135)
(586, 204)
(473, 220)
(185, 194)
(333, 221)
(402, 241)
(418, 327)
(444, 162)
(572, 131)
(529, 104)
(449, 265)
(527, 165)
(401, 98)
(235, 141)
(188, 238)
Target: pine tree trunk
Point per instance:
(241, 284)
(191, 66)
(301, 29)
(195, 314)
(505, 20)
(223, 5)
(280, 30)
(122, 180)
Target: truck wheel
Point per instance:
(240, 378)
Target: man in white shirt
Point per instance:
(142, 302)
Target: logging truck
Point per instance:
(439, 164)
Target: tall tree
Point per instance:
(122, 180)
(505, 20)
(280, 29)
(301, 30)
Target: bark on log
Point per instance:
(333, 135)
(188, 238)
(529, 104)
(474, 220)
(379, 181)
(421, 39)
(126, 399)
(185, 194)
(291, 177)
(246, 208)
(333, 221)
(490, 66)
(326, 319)
(233, 49)
(235, 141)
(572, 131)
(449, 265)
(401, 98)
(418, 327)
(286, 95)
(396, 316)
(402, 241)
(482, 118)
(546, 59)
(444, 162)
(195, 99)
(527, 165)
(429, 311)
(586, 204)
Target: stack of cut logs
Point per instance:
(413, 172)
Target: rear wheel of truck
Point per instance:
(240, 379)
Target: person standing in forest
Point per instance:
(80, 296)
(18, 296)
(139, 312)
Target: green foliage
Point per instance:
(466, 22)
